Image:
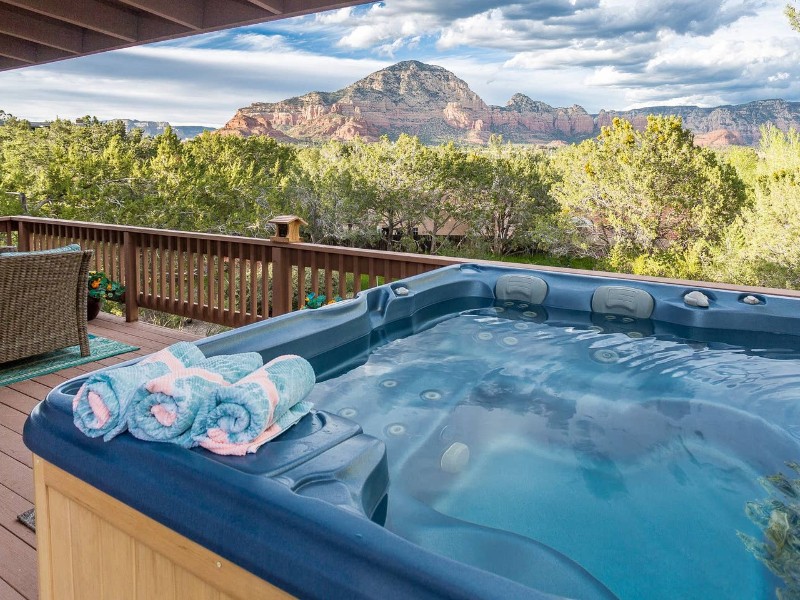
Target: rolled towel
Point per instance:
(167, 413)
(101, 405)
(256, 409)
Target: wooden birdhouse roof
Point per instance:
(287, 219)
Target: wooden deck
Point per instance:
(18, 578)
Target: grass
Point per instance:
(570, 262)
(162, 319)
(547, 260)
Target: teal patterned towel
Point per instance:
(100, 408)
(248, 414)
(169, 410)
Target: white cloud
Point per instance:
(168, 83)
(602, 53)
(408, 43)
(484, 29)
(334, 17)
(597, 53)
(365, 36)
(730, 66)
(695, 100)
(394, 29)
(735, 63)
(609, 77)
(259, 42)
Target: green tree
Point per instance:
(88, 170)
(763, 246)
(794, 16)
(445, 188)
(81, 170)
(645, 199)
(319, 187)
(235, 182)
(388, 185)
(509, 195)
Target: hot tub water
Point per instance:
(590, 439)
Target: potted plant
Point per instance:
(102, 287)
(316, 300)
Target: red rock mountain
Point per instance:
(435, 105)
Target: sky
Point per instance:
(613, 54)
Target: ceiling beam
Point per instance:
(90, 14)
(274, 6)
(188, 13)
(11, 63)
(304, 7)
(17, 49)
(221, 12)
(28, 52)
(33, 29)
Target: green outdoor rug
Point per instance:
(28, 368)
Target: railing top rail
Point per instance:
(425, 259)
(378, 254)
(135, 229)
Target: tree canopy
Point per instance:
(650, 196)
(794, 16)
(643, 201)
(762, 247)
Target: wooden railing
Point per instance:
(237, 280)
(216, 278)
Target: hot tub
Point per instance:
(539, 433)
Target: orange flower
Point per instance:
(96, 284)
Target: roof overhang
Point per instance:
(33, 32)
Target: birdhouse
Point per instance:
(287, 228)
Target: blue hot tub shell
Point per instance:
(305, 512)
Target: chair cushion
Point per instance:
(61, 250)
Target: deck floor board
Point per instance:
(11, 445)
(12, 418)
(19, 401)
(18, 578)
(9, 593)
(11, 505)
(18, 562)
(31, 388)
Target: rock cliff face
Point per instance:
(435, 105)
(721, 125)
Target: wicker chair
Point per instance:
(43, 303)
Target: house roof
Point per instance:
(33, 32)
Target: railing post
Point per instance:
(130, 242)
(23, 237)
(281, 281)
(7, 228)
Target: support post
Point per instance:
(23, 237)
(130, 249)
(7, 229)
(281, 281)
